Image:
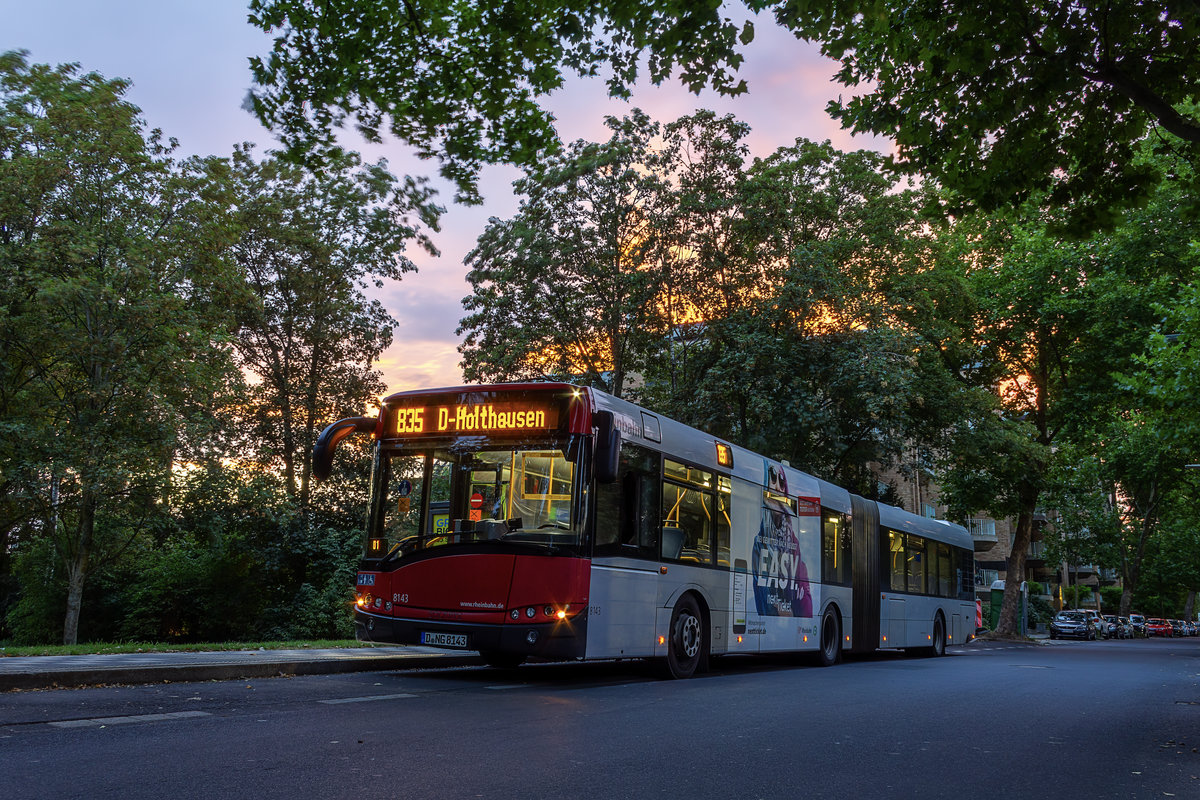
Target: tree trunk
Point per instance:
(1132, 571)
(1009, 624)
(1126, 601)
(78, 565)
(1190, 605)
(1065, 593)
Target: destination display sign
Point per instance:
(473, 418)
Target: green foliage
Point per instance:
(309, 244)
(1004, 101)
(568, 286)
(1040, 610)
(37, 614)
(1110, 599)
(996, 100)
(750, 299)
(1071, 596)
(462, 81)
(174, 335)
(111, 300)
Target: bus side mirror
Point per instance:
(331, 437)
(608, 447)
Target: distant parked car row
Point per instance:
(1087, 623)
(1171, 627)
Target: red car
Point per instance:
(1158, 627)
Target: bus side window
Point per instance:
(896, 561)
(836, 543)
(627, 509)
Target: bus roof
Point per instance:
(938, 529)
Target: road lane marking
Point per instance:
(101, 721)
(369, 699)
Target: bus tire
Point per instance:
(686, 640)
(499, 660)
(830, 651)
(938, 648)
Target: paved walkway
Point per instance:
(44, 672)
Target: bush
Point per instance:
(1040, 610)
(1110, 599)
(37, 615)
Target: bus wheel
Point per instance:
(831, 639)
(686, 643)
(502, 660)
(938, 648)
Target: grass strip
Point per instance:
(104, 648)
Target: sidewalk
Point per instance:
(46, 672)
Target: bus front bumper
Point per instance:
(553, 641)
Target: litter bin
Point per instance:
(998, 601)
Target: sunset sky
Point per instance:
(188, 65)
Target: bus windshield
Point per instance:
(441, 496)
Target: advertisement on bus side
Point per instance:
(781, 587)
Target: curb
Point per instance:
(182, 673)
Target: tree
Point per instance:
(789, 265)
(1004, 101)
(1179, 554)
(309, 245)
(1026, 339)
(112, 297)
(751, 298)
(1112, 495)
(567, 287)
(462, 81)
(997, 101)
(1056, 325)
(1169, 375)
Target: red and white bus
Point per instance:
(558, 522)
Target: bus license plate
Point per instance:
(444, 639)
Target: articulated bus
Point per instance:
(557, 522)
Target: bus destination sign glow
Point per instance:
(500, 418)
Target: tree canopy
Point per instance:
(111, 306)
(747, 298)
(172, 335)
(997, 101)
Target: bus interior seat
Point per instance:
(672, 542)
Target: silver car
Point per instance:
(1072, 625)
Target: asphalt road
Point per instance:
(1063, 720)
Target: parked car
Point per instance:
(1158, 627)
(1176, 627)
(1138, 623)
(1098, 624)
(1116, 628)
(1189, 628)
(1072, 625)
